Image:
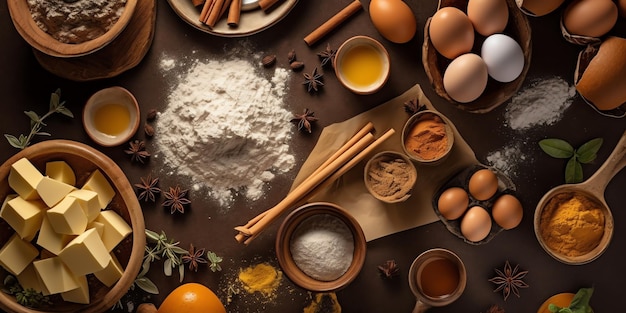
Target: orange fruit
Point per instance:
(192, 297)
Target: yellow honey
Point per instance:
(112, 119)
(362, 65)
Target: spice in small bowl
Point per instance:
(362, 65)
(427, 137)
(390, 176)
(320, 247)
(111, 116)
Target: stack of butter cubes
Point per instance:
(62, 233)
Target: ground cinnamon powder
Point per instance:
(572, 224)
(391, 178)
(427, 139)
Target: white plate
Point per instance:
(252, 20)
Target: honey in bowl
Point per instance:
(112, 119)
(362, 65)
(439, 278)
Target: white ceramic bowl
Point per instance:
(343, 55)
(117, 96)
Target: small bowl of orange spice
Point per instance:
(427, 137)
(111, 116)
(362, 65)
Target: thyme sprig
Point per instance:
(37, 122)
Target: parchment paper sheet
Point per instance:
(379, 219)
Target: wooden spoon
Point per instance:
(594, 188)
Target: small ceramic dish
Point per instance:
(83, 159)
(291, 225)
(362, 65)
(111, 116)
(395, 171)
(44, 42)
(428, 154)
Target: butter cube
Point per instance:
(115, 228)
(53, 191)
(88, 200)
(28, 279)
(99, 227)
(99, 184)
(68, 217)
(24, 216)
(17, 254)
(85, 254)
(61, 171)
(24, 178)
(111, 273)
(51, 240)
(54, 276)
(80, 294)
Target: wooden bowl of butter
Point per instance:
(72, 217)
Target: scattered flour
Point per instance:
(226, 128)
(507, 159)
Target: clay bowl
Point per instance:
(111, 95)
(593, 188)
(496, 92)
(285, 235)
(44, 42)
(413, 121)
(404, 194)
(83, 160)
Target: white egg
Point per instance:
(504, 57)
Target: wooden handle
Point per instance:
(333, 22)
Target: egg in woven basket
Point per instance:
(23, 15)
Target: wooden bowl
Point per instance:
(496, 92)
(285, 258)
(83, 160)
(413, 121)
(44, 42)
(400, 196)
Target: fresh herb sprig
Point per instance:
(37, 122)
(27, 297)
(561, 149)
(214, 261)
(579, 304)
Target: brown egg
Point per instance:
(539, 7)
(621, 7)
(592, 18)
(393, 19)
(507, 211)
(451, 32)
(453, 202)
(602, 82)
(465, 78)
(483, 184)
(488, 16)
(476, 224)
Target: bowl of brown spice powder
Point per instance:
(427, 137)
(68, 29)
(390, 176)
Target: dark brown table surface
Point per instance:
(25, 85)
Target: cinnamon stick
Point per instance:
(333, 22)
(234, 13)
(205, 10)
(267, 4)
(197, 3)
(215, 12)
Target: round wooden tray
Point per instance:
(122, 54)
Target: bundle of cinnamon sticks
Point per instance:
(213, 10)
(346, 157)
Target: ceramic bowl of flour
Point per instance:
(71, 37)
(321, 247)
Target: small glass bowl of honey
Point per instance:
(111, 116)
(362, 65)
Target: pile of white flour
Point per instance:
(226, 128)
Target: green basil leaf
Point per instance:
(580, 302)
(557, 148)
(573, 171)
(147, 285)
(13, 141)
(588, 151)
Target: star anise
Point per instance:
(389, 269)
(304, 120)
(176, 199)
(313, 81)
(194, 257)
(413, 106)
(148, 188)
(137, 151)
(327, 56)
(509, 280)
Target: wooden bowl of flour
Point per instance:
(24, 18)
